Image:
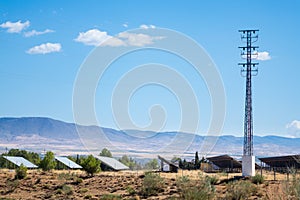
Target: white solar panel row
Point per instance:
(69, 163)
(113, 163)
(19, 161)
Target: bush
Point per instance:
(83, 190)
(59, 191)
(48, 162)
(212, 179)
(257, 179)
(130, 190)
(68, 190)
(292, 189)
(201, 189)
(152, 184)
(129, 162)
(91, 165)
(152, 164)
(66, 176)
(21, 172)
(78, 180)
(110, 197)
(12, 185)
(240, 190)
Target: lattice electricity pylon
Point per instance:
(248, 70)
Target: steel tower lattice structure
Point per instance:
(248, 70)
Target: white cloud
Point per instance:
(137, 39)
(125, 25)
(144, 26)
(34, 32)
(95, 37)
(293, 128)
(45, 48)
(113, 42)
(15, 27)
(263, 55)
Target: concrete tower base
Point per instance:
(248, 166)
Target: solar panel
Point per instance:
(113, 163)
(69, 163)
(19, 161)
(283, 161)
(225, 161)
(168, 162)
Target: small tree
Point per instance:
(105, 152)
(21, 172)
(128, 161)
(152, 164)
(91, 165)
(180, 164)
(175, 159)
(48, 162)
(197, 161)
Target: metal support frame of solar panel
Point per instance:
(18, 161)
(67, 162)
(282, 163)
(225, 162)
(168, 162)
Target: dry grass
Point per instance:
(125, 185)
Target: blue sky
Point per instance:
(42, 51)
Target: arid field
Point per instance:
(138, 185)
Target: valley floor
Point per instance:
(132, 185)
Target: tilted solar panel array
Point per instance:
(19, 161)
(69, 163)
(113, 163)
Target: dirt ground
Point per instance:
(120, 185)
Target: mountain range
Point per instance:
(44, 134)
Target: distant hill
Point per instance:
(39, 134)
(44, 127)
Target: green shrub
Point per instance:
(68, 190)
(48, 162)
(292, 189)
(110, 197)
(240, 190)
(152, 184)
(83, 190)
(182, 183)
(67, 176)
(152, 164)
(12, 185)
(201, 189)
(212, 179)
(21, 172)
(91, 165)
(257, 179)
(59, 191)
(78, 180)
(130, 190)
